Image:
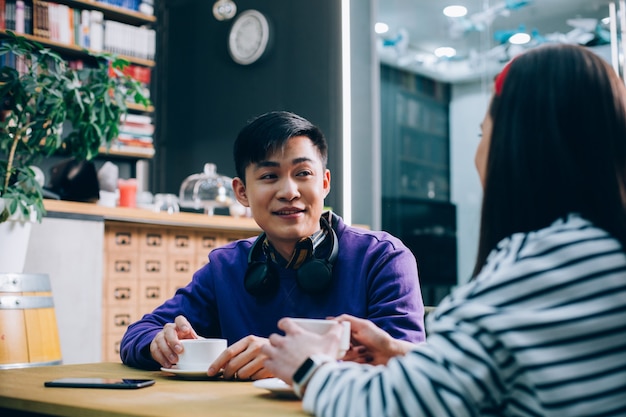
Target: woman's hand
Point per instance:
(286, 353)
(370, 344)
(242, 360)
(166, 346)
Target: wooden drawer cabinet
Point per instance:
(144, 265)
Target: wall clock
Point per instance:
(249, 37)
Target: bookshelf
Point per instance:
(415, 136)
(73, 28)
(416, 203)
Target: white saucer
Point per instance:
(276, 386)
(189, 373)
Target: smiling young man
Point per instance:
(306, 263)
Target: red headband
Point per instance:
(499, 82)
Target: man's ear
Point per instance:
(240, 191)
(326, 182)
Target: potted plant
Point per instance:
(41, 96)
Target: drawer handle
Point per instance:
(153, 266)
(118, 344)
(154, 240)
(122, 266)
(122, 320)
(181, 241)
(181, 266)
(208, 242)
(122, 293)
(153, 292)
(122, 239)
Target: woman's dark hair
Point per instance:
(558, 146)
(268, 133)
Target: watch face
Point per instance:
(249, 36)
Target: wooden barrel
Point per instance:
(28, 328)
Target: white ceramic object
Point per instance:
(198, 354)
(276, 386)
(321, 326)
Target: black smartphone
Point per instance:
(113, 383)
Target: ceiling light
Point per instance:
(381, 27)
(455, 11)
(520, 38)
(445, 52)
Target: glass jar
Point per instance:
(167, 203)
(206, 190)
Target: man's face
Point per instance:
(286, 193)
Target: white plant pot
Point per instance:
(14, 237)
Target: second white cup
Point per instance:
(198, 354)
(321, 326)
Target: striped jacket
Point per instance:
(541, 331)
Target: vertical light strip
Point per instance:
(346, 111)
(613, 34)
(622, 38)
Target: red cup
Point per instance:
(128, 192)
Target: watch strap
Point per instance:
(304, 373)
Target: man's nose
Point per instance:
(288, 189)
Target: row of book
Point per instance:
(135, 135)
(123, 39)
(136, 130)
(70, 26)
(16, 15)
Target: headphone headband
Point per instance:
(313, 276)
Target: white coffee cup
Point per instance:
(321, 326)
(198, 354)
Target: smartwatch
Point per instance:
(305, 372)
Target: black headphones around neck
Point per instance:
(313, 276)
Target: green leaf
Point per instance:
(37, 102)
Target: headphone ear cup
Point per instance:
(261, 279)
(315, 275)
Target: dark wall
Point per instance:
(204, 98)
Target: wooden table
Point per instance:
(22, 393)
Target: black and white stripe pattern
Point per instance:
(541, 331)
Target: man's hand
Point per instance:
(242, 360)
(166, 346)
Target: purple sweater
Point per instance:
(374, 277)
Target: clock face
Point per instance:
(249, 37)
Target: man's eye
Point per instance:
(268, 176)
(304, 173)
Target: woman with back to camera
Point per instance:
(540, 330)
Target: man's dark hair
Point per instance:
(268, 133)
